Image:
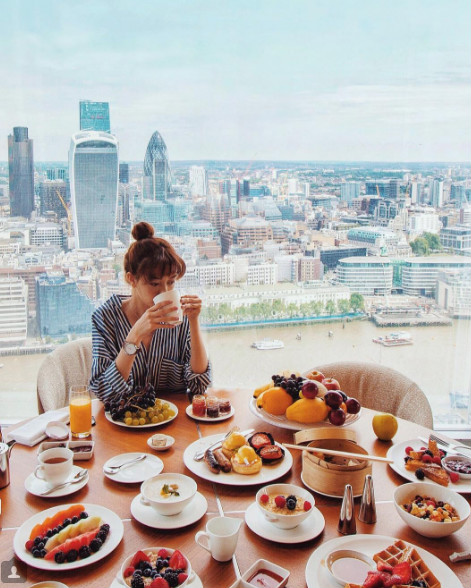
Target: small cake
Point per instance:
(246, 461)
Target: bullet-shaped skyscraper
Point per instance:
(93, 174)
(21, 172)
(157, 176)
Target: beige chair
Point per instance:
(381, 388)
(68, 365)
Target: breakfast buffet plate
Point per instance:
(318, 575)
(268, 473)
(134, 473)
(207, 419)
(284, 423)
(112, 541)
(397, 453)
(148, 425)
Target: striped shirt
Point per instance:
(165, 365)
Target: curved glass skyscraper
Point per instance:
(93, 173)
(157, 175)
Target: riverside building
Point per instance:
(13, 311)
(420, 274)
(370, 276)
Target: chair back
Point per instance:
(381, 388)
(68, 365)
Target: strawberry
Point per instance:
(129, 571)
(307, 505)
(177, 561)
(280, 501)
(182, 577)
(403, 573)
(159, 583)
(454, 476)
(384, 567)
(373, 580)
(29, 545)
(264, 498)
(163, 553)
(138, 556)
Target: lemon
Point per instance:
(384, 426)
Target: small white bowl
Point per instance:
(446, 460)
(166, 441)
(86, 451)
(271, 568)
(57, 430)
(150, 493)
(148, 551)
(285, 521)
(350, 575)
(407, 492)
(49, 584)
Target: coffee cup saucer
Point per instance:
(146, 515)
(36, 486)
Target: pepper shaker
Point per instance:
(347, 524)
(368, 506)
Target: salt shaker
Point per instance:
(368, 506)
(347, 524)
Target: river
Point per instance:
(439, 361)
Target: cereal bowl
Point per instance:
(168, 494)
(137, 561)
(284, 516)
(405, 495)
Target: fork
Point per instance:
(447, 445)
(199, 455)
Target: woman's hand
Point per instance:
(191, 306)
(155, 317)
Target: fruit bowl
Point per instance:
(428, 528)
(153, 554)
(280, 514)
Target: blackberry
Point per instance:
(428, 452)
(105, 527)
(59, 557)
(137, 582)
(291, 504)
(84, 552)
(84, 515)
(72, 555)
(292, 496)
(95, 544)
(419, 473)
(172, 578)
(101, 535)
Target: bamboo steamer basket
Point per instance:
(329, 475)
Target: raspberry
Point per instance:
(280, 501)
(426, 458)
(264, 498)
(162, 553)
(29, 545)
(436, 460)
(430, 503)
(128, 571)
(307, 505)
(454, 476)
(408, 449)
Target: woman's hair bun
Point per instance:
(142, 230)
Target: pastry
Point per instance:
(246, 461)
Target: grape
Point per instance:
(337, 417)
(353, 406)
(310, 389)
(333, 399)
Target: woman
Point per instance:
(133, 342)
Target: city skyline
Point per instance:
(326, 81)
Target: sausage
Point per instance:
(211, 461)
(222, 460)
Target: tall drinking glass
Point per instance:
(80, 405)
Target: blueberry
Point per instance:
(419, 473)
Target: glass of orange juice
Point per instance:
(80, 405)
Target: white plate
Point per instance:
(397, 453)
(189, 515)
(112, 541)
(195, 583)
(36, 486)
(323, 493)
(284, 423)
(207, 419)
(169, 441)
(317, 574)
(149, 425)
(268, 473)
(135, 472)
(308, 529)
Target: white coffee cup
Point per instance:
(221, 534)
(174, 297)
(55, 465)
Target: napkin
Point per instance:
(32, 432)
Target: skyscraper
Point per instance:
(349, 191)
(21, 172)
(198, 181)
(94, 116)
(93, 173)
(124, 173)
(157, 175)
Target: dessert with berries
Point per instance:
(426, 507)
(287, 505)
(427, 463)
(156, 567)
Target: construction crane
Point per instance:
(68, 213)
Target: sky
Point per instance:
(372, 80)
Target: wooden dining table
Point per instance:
(18, 505)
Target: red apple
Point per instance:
(331, 384)
(315, 375)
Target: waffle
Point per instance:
(400, 551)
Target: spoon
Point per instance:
(79, 476)
(114, 469)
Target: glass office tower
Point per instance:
(93, 173)
(94, 116)
(157, 175)
(21, 172)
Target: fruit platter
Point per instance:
(292, 401)
(141, 410)
(68, 536)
